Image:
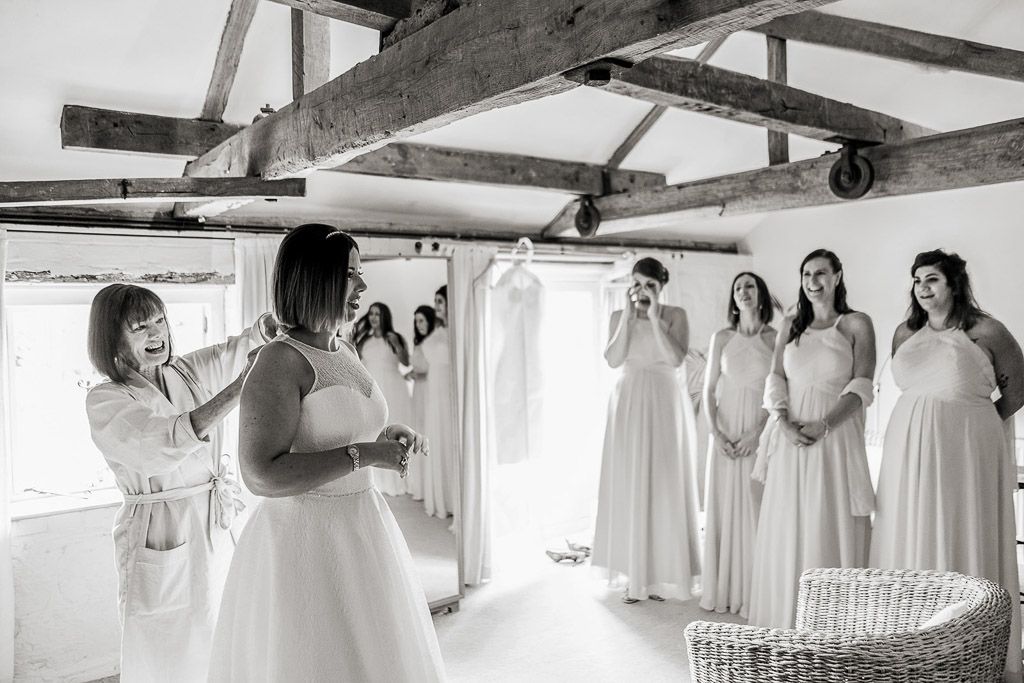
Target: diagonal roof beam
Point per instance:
(487, 54)
(229, 53)
(901, 44)
(686, 84)
(378, 14)
(110, 190)
(973, 157)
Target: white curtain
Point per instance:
(6, 567)
(468, 302)
(254, 274)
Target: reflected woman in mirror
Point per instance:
(647, 503)
(157, 423)
(322, 586)
(424, 320)
(817, 489)
(382, 351)
(741, 357)
(434, 397)
(945, 489)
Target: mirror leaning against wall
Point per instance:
(404, 339)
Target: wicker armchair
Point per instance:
(862, 625)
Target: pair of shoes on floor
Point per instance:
(630, 601)
(578, 548)
(572, 556)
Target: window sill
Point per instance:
(46, 506)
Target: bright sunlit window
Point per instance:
(49, 373)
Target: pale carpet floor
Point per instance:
(542, 621)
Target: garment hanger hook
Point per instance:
(523, 243)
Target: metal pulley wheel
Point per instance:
(587, 217)
(851, 176)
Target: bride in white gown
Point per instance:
(383, 351)
(321, 586)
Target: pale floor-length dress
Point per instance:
(947, 477)
(383, 365)
(437, 471)
(647, 503)
(817, 499)
(322, 586)
(730, 507)
(414, 479)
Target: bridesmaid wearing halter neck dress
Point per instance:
(813, 462)
(740, 360)
(947, 478)
(647, 503)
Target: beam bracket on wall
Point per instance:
(588, 217)
(852, 175)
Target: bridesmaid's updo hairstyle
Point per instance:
(804, 311)
(652, 268)
(965, 311)
(431, 317)
(766, 303)
(311, 278)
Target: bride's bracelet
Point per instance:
(386, 428)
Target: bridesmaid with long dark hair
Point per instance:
(945, 490)
(382, 351)
(424, 320)
(740, 359)
(818, 494)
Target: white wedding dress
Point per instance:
(322, 586)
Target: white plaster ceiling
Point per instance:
(156, 57)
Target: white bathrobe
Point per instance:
(172, 555)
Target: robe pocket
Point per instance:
(161, 581)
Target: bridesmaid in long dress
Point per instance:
(434, 381)
(741, 356)
(423, 322)
(382, 351)
(322, 586)
(818, 494)
(945, 488)
(647, 503)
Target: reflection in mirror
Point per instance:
(403, 339)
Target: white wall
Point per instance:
(878, 239)
(65, 584)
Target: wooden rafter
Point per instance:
(636, 135)
(974, 157)
(778, 142)
(897, 43)
(705, 89)
(107, 190)
(311, 52)
(229, 53)
(466, 63)
(86, 128)
(427, 162)
(378, 14)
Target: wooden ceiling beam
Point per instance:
(109, 190)
(311, 52)
(974, 157)
(778, 142)
(486, 54)
(91, 129)
(229, 53)
(377, 14)
(428, 162)
(704, 89)
(897, 43)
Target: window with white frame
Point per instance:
(49, 373)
